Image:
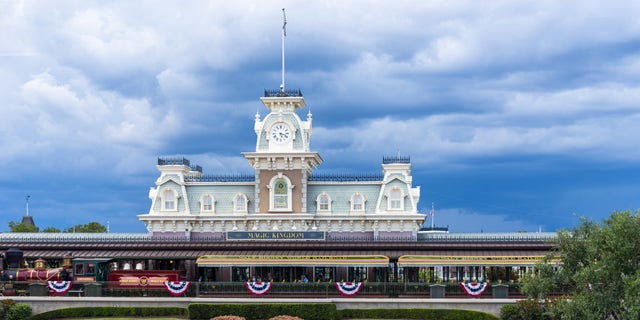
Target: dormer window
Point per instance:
(207, 203)
(324, 202)
(240, 203)
(357, 202)
(169, 200)
(395, 199)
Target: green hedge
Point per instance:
(253, 311)
(431, 314)
(82, 312)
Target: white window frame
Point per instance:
(353, 202)
(391, 200)
(165, 201)
(272, 193)
(319, 202)
(245, 207)
(203, 205)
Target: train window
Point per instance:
(79, 269)
(91, 268)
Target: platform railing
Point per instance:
(238, 289)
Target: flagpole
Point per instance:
(432, 216)
(284, 34)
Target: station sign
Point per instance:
(275, 235)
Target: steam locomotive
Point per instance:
(85, 270)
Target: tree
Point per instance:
(599, 267)
(21, 227)
(51, 230)
(91, 227)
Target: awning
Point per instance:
(288, 260)
(417, 261)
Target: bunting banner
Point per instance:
(177, 288)
(59, 287)
(474, 289)
(348, 289)
(258, 288)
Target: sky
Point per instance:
(517, 115)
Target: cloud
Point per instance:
(65, 122)
(464, 220)
(99, 89)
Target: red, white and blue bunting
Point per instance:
(258, 288)
(177, 288)
(474, 289)
(348, 289)
(59, 287)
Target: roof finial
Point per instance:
(284, 35)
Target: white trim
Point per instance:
(352, 204)
(319, 203)
(164, 200)
(235, 202)
(202, 204)
(390, 199)
(272, 195)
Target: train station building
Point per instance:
(287, 221)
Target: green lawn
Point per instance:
(130, 318)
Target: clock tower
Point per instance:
(282, 160)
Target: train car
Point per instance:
(147, 279)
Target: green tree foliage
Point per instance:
(51, 230)
(21, 227)
(91, 227)
(599, 268)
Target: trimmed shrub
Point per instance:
(6, 304)
(527, 309)
(510, 312)
(83, 312)
(285, 318)
(19, 311)
(255, 311)
(431, 314)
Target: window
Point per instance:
(206, 203)
(280, 193)
(91, 268)
(357, 202)
(324, 202)
(240, 203)
(169, 200)
(395, 199)
(79, 269)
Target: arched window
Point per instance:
(207, 203)
(240, 203)
(169, 197)
(280, 193)
(324, 202)
(357, 202)
(395, 199)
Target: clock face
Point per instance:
(280, 133)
